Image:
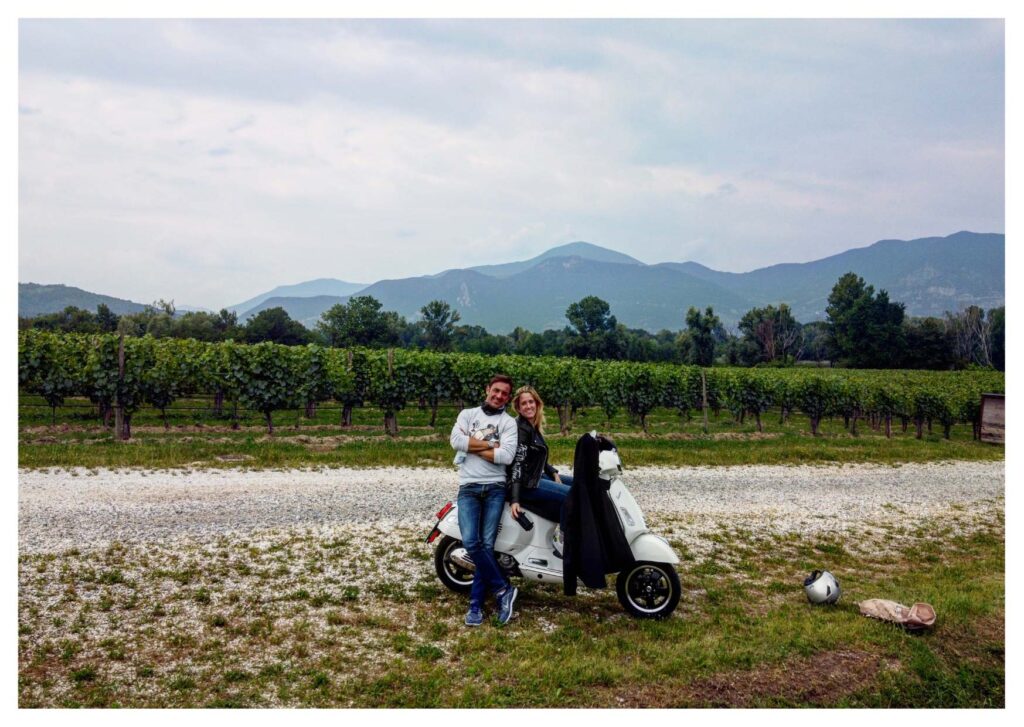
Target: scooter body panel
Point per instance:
(630, 515)
(533, 549)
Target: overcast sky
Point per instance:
(207, 162)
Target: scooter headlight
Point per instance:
(609, 464)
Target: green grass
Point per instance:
(79, 440)
(743, 635)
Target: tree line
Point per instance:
(862, 329)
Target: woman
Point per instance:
(531, 480)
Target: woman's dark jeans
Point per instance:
(547, 498)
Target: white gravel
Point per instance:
(82, 508)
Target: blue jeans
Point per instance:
(546, 496)
(480, 506)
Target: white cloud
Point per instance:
(236, 157)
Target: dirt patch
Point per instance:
(820, 680)
(982, 641)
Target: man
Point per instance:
(487, 435)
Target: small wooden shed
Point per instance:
(993, 418)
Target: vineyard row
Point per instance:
(118, 375)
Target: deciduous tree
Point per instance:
(699, 340)
(866, 330)
(438, 324)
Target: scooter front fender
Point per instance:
(653, 548)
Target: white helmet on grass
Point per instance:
(821, 587)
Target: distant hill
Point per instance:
(308, 289)
(536, 298)
(179, 309)
(929, 275)
(306, 311)
(584, 250)
(36, 300)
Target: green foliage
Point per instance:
(997, 329)
(276, 326)
(393, 381)
(769, 334)
(438, 324)
(49, 365)
(747, 391)
(269, 377)
(313, 382)
(866, 329)
(643, 387)
(699, 341)
(563, 385)
(172, 370)
(360, 322)
(597, 333)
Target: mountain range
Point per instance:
(929, 275)
(36, 300)
(309, 289)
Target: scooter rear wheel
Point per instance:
(649, 590)
(452, 575)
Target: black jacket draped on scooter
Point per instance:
(594, 542)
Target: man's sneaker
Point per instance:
(474, 616)
(505, 603)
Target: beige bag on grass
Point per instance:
(917, 617)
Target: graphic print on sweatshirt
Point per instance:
(488, 433)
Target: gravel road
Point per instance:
(82, 508)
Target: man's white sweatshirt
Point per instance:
(474, 423)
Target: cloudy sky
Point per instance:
(207, 162)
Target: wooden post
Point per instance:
(346, 408)
(704, 398)
(390, 418)
(119, 424)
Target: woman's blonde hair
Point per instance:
(539, 420)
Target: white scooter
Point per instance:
(648, 589)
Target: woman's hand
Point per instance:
(514, 507)
(558, 479)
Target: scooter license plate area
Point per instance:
(447, 523)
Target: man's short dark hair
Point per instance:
(501, 378)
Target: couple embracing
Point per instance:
(501, 458)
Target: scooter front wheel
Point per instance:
(649, 590)
(454, 576)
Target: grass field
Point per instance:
(357, 618)
(196, 438)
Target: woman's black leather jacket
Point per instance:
(531, 460)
